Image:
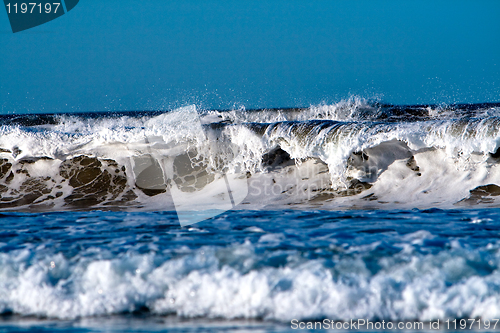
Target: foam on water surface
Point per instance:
(282, 265)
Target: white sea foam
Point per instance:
(407, 286)
(453, 155)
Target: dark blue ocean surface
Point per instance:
(246, 269)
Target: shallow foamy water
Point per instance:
(263, 266)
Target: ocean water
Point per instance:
(246, 269)
(245, 220)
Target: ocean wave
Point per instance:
(351, 154)
(240, 281)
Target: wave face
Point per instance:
(353, 154)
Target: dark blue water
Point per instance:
(245, 270)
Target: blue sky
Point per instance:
(158, 54)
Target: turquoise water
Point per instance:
(120, 55)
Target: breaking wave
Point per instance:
(342, 281)
(353, 154)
